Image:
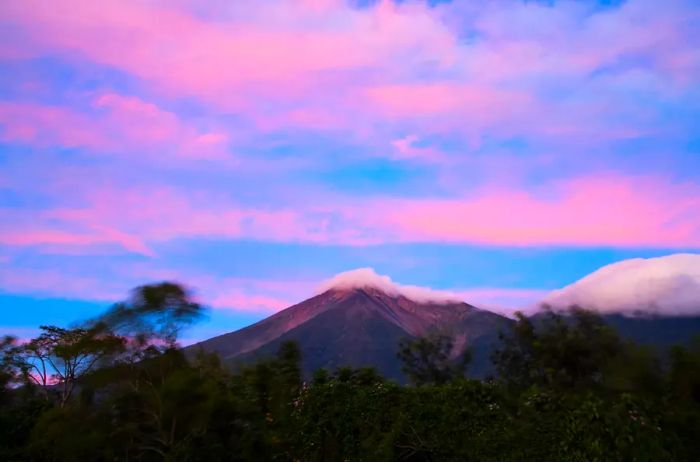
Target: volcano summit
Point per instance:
(358, 320)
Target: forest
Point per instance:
(119, 387)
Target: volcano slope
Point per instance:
(362, 326)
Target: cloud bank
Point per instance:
(363, 278)
(667, 285)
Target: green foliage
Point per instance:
(682, 406)
(430, 359)
(9, 371)
(566, 353)
(567, 389)
(515, 359)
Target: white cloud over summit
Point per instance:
(367, 278)
(667, 285)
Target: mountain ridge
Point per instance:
(361, 327)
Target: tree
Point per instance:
(9, 371)
(154, 314)
(514, 360)
(564, 352)
(60, 357)
(430, 359)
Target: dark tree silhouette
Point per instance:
(59, 358)
(430, 359)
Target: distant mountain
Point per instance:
(360, 323)
(656, 330)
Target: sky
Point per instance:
(251, 150)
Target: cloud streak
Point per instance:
(115, 123)
(600, 211)
(614, 211)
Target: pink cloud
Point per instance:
(588, 211)
(36, 124)
(159, 214)
(275, 42)
(134, 219)
(294, 43)
(234, 299)
(123, 124)
(425, 100)
(90, 239)
(284, 64)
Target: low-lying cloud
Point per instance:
(667, 285)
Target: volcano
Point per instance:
(360, 324)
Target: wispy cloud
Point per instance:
(395, 63)
(613, 211)
(600, 211)
(114, 124)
